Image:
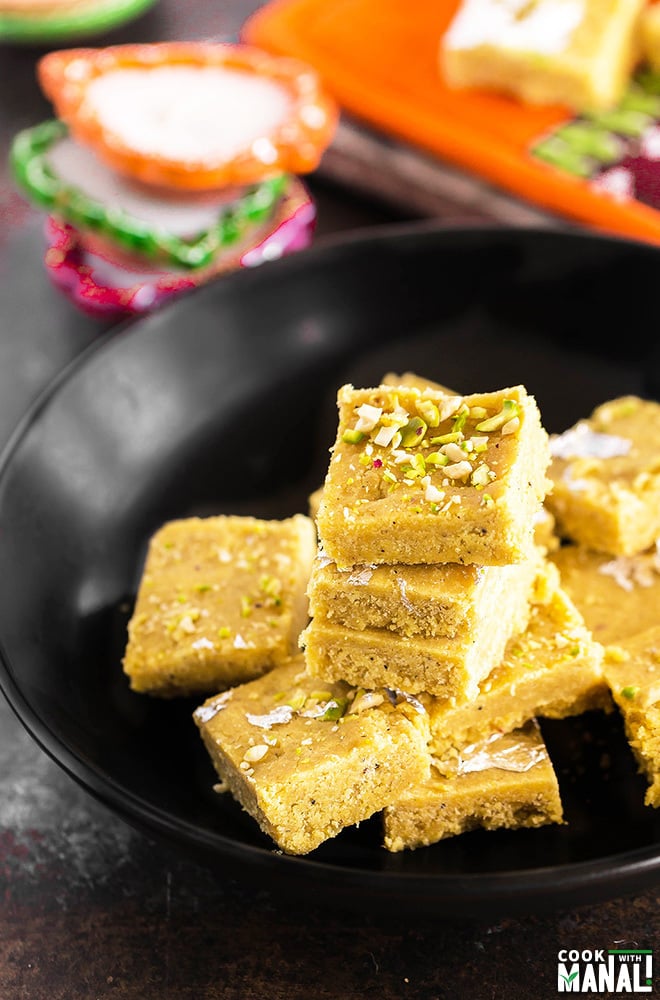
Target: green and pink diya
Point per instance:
(169, 164)
(47, 22)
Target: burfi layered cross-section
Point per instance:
(417, 476)
(221, 600)
(307, 760)
(437, 629)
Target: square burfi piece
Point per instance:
(606, 478)
(221, 600)
(306, 761)
(462, 603)
(553, 669)
(507, 781)
(578, 53)
(421, 477)
(617, 596)
(633, 673)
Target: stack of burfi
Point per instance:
(606, 502)
(428, 581)
(426, 527)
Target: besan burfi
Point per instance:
(459, 602)
(606, 478)
(579, 53)
(633, 673)
(618, 596)
(306, 761)
(421, 477)
(410, 663)
(505, 781)
(552, 670)
(221, 600)
(409, 380)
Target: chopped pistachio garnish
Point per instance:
(224, 632)
(335, 709)
(201, 588)
(629, 692)
(352, 436)
(447, 438)
(461, 419)
(509, 410)
(246, 606)
(437, 458)
(413, 432)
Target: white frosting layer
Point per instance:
(543, 26)
(204, 114)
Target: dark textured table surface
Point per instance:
(90, 908)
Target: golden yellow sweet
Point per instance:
(553, 669)
(221, 600)
(438, 629)
(579, 53)
(618, 596)
(605, 473)
(633, 673)
(421, 477)
(307, 760)
(505, 781)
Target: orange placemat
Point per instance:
(379, 58)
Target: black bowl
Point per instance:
(225, 402)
